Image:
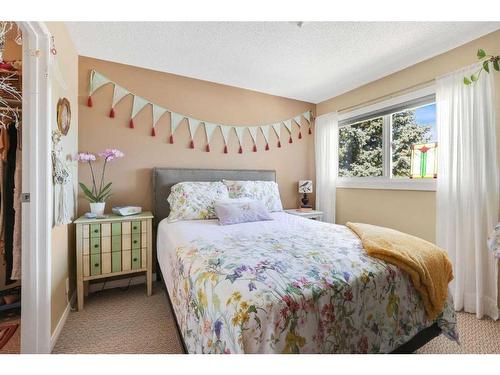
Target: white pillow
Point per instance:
(242, 210)
(265, 191)
(195, 200)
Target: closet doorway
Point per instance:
(25, 188)
(11, 54)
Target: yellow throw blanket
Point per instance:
(428, 265)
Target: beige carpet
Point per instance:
(127, 321)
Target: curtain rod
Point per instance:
(388, 96)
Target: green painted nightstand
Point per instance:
(116, 245)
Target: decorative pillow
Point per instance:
(243, 210)
(265, 191)
(195, 200)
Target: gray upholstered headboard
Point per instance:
(165, 178)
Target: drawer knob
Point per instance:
(96, 245)
(135, 227)
(96, 265)
(135, 241)
(135, 259)
(96, 230)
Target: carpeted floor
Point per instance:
(127, 321)
(13, 346)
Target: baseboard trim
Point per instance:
(118, 283)
(62, 322)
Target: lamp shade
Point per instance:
(305, 186)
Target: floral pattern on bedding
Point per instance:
(288, 292)
(265, 191)
(195, 200)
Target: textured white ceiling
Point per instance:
(312, 63)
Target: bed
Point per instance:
(290, 285)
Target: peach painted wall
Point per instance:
(209, 101)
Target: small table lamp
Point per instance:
(305, 187)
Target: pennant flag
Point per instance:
(225, 134)
(298, 122)
(307, 116)
(193, 125)
(175, 120)
(209, 131)
(138, 104)
(265, 129)
(288, 125)
(118, 94)
(253, 133)
(239, 133)
(96, 80)
(157, 113)
(277, 130)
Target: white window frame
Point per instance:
(386, 182)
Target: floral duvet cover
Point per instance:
(290, 285)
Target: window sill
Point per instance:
(386, 184)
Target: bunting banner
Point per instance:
(209, 130)
(97, 80)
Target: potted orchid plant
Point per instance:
(99, 191)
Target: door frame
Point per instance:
(37, 181)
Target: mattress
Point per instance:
(290, 285)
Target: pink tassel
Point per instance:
(300, 135)
(153, 132)
(267, 146)
(254, 148)
(310, 131)
(240, 150)
(225, 149)
(290, 140)
(112, 113)
(171, 139)
(89, 101)
(191, 144)
(131, 124)
(208, 147)
(279, 144)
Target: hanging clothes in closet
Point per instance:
(11, 200)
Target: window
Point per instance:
(377, 144)
(360, 149)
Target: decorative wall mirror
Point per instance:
(63, 115)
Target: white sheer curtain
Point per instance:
(326, 142)
(467, 187)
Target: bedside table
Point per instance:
(116, 245)
(311, 214)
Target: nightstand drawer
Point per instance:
(95, 245)
(116, 261)
(105, 244)
(86, 265)
(126, 242)
(116, 229)
(95, 230)
(106, 263)
(136, 227)
(126, 260)
(136, 259)
(136, 241)
(116, 243)
(106, 229)
(95, 264)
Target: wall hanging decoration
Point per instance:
(486, 59)
(64, 205)
(97, 80)
(63, 115)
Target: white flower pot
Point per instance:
(97, 208)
